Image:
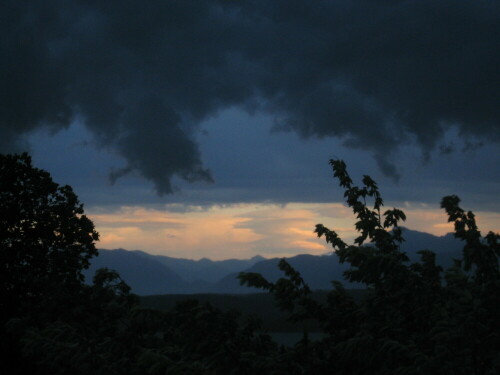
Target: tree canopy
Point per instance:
(415, 318)
(45, 239)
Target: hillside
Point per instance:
(204, 269)
(157, 274)
(145, 276)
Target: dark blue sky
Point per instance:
(251, 163)
(196, 104)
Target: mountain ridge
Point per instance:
(149, 274)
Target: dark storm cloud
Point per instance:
(142, 75)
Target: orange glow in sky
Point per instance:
(243, 231)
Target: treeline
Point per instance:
(414, 318)
(261, 306)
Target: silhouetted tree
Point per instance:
(45, 239)
(45, 242)
(411, 320)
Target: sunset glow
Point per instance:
(245, 230)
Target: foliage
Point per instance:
(108, 333)
(45, 239)
(415, 318)
(260, 306)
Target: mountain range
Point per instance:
(149, 274)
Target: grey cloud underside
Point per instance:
(143, 75)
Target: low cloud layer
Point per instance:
(143, 75)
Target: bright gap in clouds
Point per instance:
(238, 231)
(243, 231)
(247, 211)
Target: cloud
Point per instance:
(218, 233)
(241, 231)
(435, 221)
(143, 75)
(221, 232)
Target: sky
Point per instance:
(204, 128)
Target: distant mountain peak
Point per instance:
(257, 258)
(159, 274)
(205, 260)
